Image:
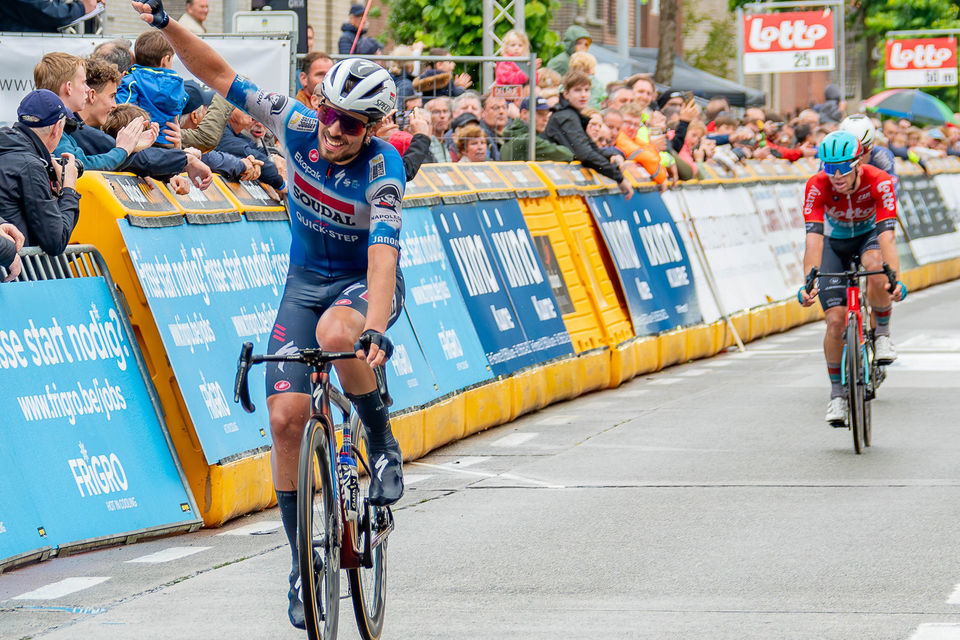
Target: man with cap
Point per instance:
(37, 192)
(349, 30)
(517, 135)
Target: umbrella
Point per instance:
(912, 104)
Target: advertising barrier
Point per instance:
(211, 288)
(103, 466)
(929, 228)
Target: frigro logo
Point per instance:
(98, 474)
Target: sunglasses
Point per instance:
(843, 168)
(348, 124)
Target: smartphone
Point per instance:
(687, 96)
(402, 119)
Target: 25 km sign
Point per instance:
(926, 62)
(782, 42)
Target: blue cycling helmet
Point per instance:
(840, 146)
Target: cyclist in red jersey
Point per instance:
(849, 208)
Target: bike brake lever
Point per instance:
(891, 276)
(811, 278)
(241, 390)
(381, 375)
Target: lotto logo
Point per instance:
(789, 31)
(921, 54)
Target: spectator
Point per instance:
(234, 143)
(517, 134)
(471, 143)
(153, 85)
(205, 134)
(349, 30)
(576, 38)
(229, 166)
(586, 63)
(439, 80)
(516, 44)
(402, 72)
(696, 130)
(494, 122)
(468, 102)
(11, 241)
(548, 79)
(715, 106)
(309, 38)
(620, 96)
(831, 110)
(196, 13)
(567, 126)
(411, 102)
(440, 115)
(313, 69)
(637, 149)
(644, 90)
(66, 76)
(456, 124)
(613, 119)
(38, 193)
(42, 15)
(117, 52)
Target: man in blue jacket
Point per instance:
(42, 15)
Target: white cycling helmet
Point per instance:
(360, 86)
(860, 126)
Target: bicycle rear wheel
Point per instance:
(368, 585)
(855, 397)
(318, 536)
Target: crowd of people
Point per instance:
(125, 109)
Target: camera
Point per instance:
(402, 118)
(63, 165)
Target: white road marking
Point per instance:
(514, 439)
(663, 381)
(62, 588)
(482, 474)
(560, 419)
(717, 363)
(414, 478)
(783, 352)
(168, 555)
(927, 362)
(256, 528)
(467, 461)
(937, 631)
(632, 393)
(692, 373)
(955, 596)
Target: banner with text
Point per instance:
(436, 308)
(784, 42)
(85, 454)
(211, 288)
(925, 62)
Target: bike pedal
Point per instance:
(838, 424)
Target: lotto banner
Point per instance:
(651, 262)
(784, 42)
(82, 450)
(436, 308)
(926, 62)
(210, 288)
(505, 344)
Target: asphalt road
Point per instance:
(706, 501)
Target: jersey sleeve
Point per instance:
(813, 206)
(885, 196)
(273, 110)
(385, 194)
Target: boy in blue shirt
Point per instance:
(152, 85)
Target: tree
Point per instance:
(667, 42)
(458, 25)
(720, 49)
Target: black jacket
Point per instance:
(569, 128)
(241, 146)
(38, 15)
(26, 197)
(348, 33)
(8, 251)
(155, 162)
(417, 153)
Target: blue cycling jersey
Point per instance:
(882, 158)
(336, 211)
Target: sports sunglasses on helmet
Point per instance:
(348, 124)
(843, 168)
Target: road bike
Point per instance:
(337, 527)
(861, 374)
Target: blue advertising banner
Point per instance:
(498, 327)
(524, 277)
(80, 428)
(658, 286)
(409, 378)
(211, 288)
(435, 307)
(21, 527)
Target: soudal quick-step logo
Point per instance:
(98, 474)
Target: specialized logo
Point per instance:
(381, 464)
(282, 385)
(286, 350)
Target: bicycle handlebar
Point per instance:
(315, 358)
(887, 271)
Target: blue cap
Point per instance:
(197, 96)
(356, 10)
(41, 108)
(541, 104)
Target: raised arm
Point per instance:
(197, 56)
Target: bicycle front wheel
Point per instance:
(855, 399)
(368, 585)
(318, 535)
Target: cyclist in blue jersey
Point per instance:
(880, 157)
(344, 288)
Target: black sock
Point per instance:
(287, 501)
(373, 413)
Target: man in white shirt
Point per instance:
(197, 11)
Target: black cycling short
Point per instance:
(837, 254)
(305, 298)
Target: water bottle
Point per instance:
(349, 483)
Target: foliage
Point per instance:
(720, 49)
(458, 25)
